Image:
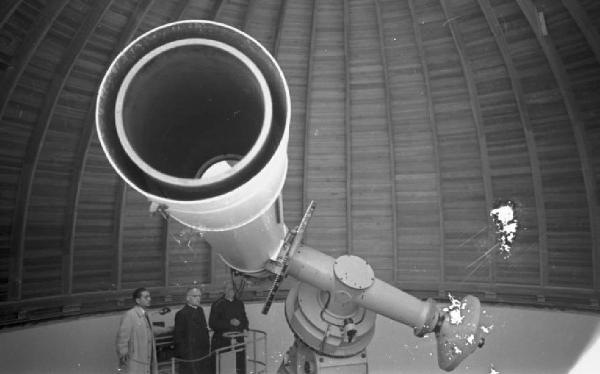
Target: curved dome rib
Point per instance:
(391, 137)
(430, 115)
(564, 84)
(519, 101)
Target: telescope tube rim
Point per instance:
(188, 197)
(164, 48)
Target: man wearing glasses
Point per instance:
(191, 336)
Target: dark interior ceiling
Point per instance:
(409, 120)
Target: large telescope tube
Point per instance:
(194, 115)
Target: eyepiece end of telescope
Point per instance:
(459, 338)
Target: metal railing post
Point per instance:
(254, 349)
(264, 337)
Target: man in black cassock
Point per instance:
(227, 314)
(191, 335)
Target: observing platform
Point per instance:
(255, 346)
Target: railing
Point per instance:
(250, 345)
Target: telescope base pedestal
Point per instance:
(300, 359)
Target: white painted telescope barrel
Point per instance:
(194, 115)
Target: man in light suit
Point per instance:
(136, 347)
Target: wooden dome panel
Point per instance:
(409, 120)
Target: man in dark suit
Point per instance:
(227, 314)
(191, 335)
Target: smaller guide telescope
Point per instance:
(194, 115)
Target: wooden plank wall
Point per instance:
(569, 240)
(419, 224)
(96, 178)
(461, 179)
(16, 127)
(585, 87)
(293, 57)
(568, 46)
(512, 167)
(408, 120)
(325, 141)
(370, 163)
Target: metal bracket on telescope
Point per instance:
(291, 242)
(159, 208)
